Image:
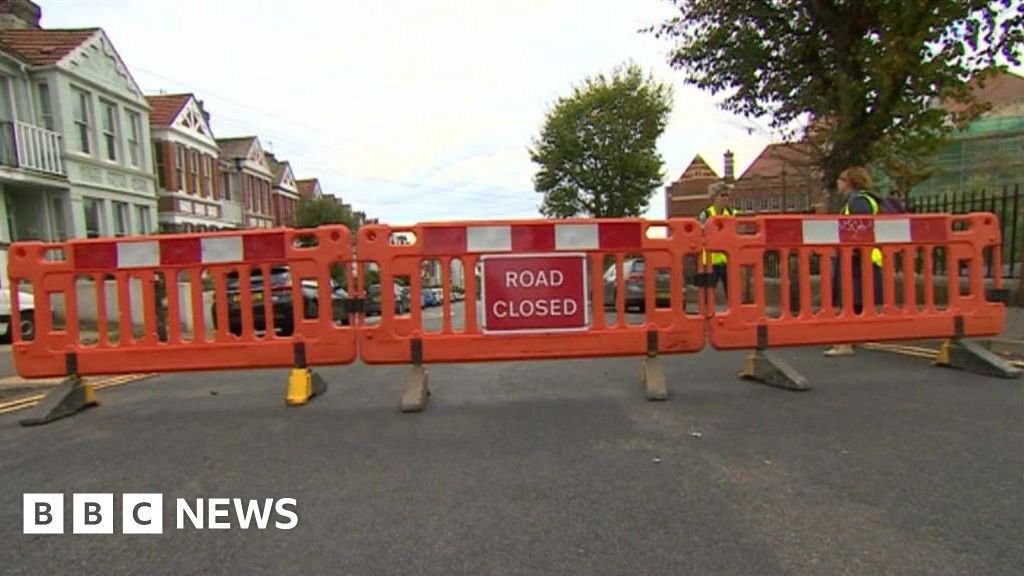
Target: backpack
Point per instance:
(889, 204)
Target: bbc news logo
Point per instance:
(144, 513)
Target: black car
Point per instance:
(281, 302)
(373, 300)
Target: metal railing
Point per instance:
(23, 145)
(1007, 205)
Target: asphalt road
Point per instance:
(888, 466)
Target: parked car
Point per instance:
(281, 302)
(428, 298)
(373, 300)
(26, 307)
(634, 270)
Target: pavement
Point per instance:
(888, 466)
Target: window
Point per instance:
(134, 139)
(45, 109)
(179, 164)
(93, 217)
(60, 221)
(142, 225)
(158, 161)
(120, 218)
(225, 186)
(207, 176)
(194, 172)
(81, 115)
(109, 129)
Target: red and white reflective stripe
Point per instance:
(179, 251)
(532, 237)
(856, 230)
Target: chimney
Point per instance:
(19, 14)
(730, 166)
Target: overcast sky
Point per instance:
(409, 110)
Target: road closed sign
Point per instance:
(536, 293)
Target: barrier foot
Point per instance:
(773, 371)
(416, 391)
(68, 398)
(973, 357)
(652, 376)
(303, 385)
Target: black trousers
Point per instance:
(858, 285)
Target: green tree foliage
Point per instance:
(867, 72)
(311, 213)
(597, 152)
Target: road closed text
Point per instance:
(526, 293)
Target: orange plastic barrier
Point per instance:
(252, 322)
(533, 289)
(781, 269)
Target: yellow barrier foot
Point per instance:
(773, 371)
(416, 391)
(68, 398)
(973, 357)
(652, 376)
(303, 385)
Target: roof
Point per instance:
(165, 108)
(235, 147)
(278, 167)
(776, 159)
(1002, 88)
(307, 188)
(698, 169)
(44, 47)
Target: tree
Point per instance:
(311, 213)
(597, 151)
(866, 74)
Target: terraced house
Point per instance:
(74, 138)
(247, 178)
(187, 165)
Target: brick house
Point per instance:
(782, 178)
(187, 165)
(285, 191)
(248, 179)
(688, 195)
(309, 188)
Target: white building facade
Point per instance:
(75, 150)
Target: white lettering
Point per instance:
(570, 307)
(251, 511)
(503, 306)
(184, 509)
(283, 511)
(510, 279)
(218, 509)
(557, 278)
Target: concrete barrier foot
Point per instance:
(652, 376)
(68, 398)
(416, 391)
(768, 369)
(973, 357)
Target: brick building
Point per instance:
(187, 167)
(248, 178)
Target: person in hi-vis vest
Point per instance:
(721, 205)
(855, 184)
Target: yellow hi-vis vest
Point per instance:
(876, 254)
(717, 258)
